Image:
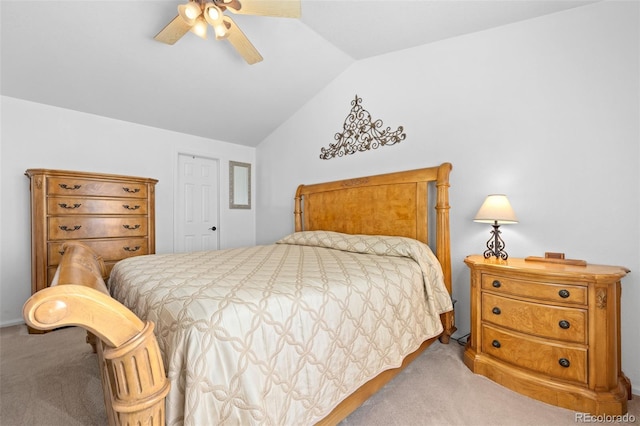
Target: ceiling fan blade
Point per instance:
(280, 8)
(241, 43)
(173, 31)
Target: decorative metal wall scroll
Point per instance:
(360, 133)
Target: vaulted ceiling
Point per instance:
(100, 57)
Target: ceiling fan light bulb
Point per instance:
(213, 13)
(200, 28)
(221, 31)
(189, 12)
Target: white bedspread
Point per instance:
(280, 334)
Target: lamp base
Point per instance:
(495, 245)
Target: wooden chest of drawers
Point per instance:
(549, 331)
(112, 214)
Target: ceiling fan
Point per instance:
(196, 14)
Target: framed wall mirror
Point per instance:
(239, 185)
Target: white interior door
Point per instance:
(197, 204)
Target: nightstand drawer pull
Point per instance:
(564, 362)
(496, 283)
(496, 311)
(564, 324)
(496, 344)
(68, 229)
(564, 293)
(127, 248)
(131, 226)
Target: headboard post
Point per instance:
(297, 212)
(443, 239)
(443, 243)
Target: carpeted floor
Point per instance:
(53, 379)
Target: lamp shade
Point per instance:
(496, 208)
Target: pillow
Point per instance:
(383, 245)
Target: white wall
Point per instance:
(40, 136)
(546, 111)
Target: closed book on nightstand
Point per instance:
(550, 331)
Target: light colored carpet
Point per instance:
(53, 379)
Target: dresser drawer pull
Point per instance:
(131, 227)
(564, 293)
(564, 362)
(129, 190)
(128, 207)
(66, 228)
(496, 283)
(496, 344)
(71, 188)
(127, 248)
(66, 206)
(564, 324)
(496, 311)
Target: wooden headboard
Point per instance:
(396, 204)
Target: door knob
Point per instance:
(213, 228)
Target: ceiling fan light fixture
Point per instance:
(190, 12)
(196, 15)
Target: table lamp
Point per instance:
(497, 211)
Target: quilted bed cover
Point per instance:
(280, 334)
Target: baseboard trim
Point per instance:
(11, 323)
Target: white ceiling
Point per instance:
(99, 57)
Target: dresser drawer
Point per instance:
(568, 362)
(568, 324)
(83, 187)
(109, 250)
(69, 205)
(80, 227)
(558, 293)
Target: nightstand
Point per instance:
(549, 331)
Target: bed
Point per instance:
(301, 331)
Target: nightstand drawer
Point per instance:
(558, 293)
(568, 362)
(568, 324)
